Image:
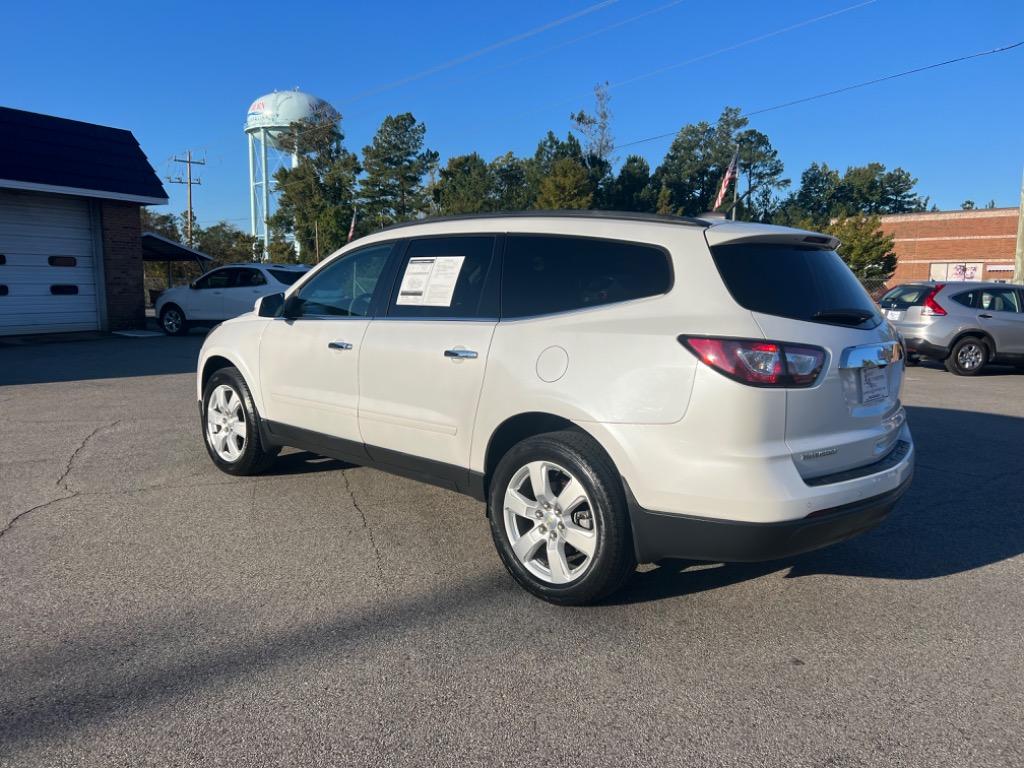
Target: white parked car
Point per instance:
(222, 293)
(618, 388)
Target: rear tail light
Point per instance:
(759, 363)
(931, 306)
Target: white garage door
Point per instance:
(47, 265)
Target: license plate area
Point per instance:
(874, 385)
(894, 314)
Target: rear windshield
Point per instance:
(790, 281)
(905, 296)
(286, 276)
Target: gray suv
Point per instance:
(965, 324)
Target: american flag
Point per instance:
(352, 227)
(730, 176)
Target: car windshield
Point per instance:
(797, 282)
(286, 276)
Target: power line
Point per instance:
(188, 162)
(482, 51)
(846, 88)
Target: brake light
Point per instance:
(759, 363)
(931, 306)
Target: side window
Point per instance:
(248, 278)
(968, 299)
(445, 277)
(343, 288)
(543, 275)
(999, 300)
(219, 278)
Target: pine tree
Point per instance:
(566, 187)
(396, 163)
(466, 185)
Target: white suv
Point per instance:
(222, 293)
(619, 388)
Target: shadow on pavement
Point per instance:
(303, 462)
(109, 357)
(965, 510)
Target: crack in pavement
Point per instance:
(366, 525)
(61, 481)
(78, 450)
(36, 508)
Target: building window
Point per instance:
(953, 271)
(3, 259)
(63, 261)
(3, 290)
(64, 290)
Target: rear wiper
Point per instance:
(851, 316)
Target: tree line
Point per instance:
(397, 177)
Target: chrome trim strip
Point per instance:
(871, 355)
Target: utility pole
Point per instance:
(1018, 269)
(188, 162)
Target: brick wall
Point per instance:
(985, 236)
(122, 265)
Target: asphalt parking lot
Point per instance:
(154, 611)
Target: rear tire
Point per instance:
(580, 501)
(968, 357)
(173, 321)
(231, 426)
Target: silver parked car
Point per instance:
(965, 324)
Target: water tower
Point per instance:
(268, 126)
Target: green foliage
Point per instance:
(631, 190)
(865, 246)
(968, 205)
(566, 186)
(866, 190)
(696, 162)
(467, 185)
(163, 224)
(396, 163)
(510, 188)
(225, 242)
(316, 197)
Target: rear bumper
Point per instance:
(659, 535)
(925, 348)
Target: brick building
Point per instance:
(70, 240)
(953, 245)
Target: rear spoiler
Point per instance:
(741, 232)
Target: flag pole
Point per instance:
(736, 184)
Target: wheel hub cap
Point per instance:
(225, 423)
(549, 522)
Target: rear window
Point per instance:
(790, 281)
(905, 296)
(547, 274)
(286, 276)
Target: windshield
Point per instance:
(797, 282)
(286, 276)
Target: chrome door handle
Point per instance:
(339, 345)
(461, 354)
(985, 315)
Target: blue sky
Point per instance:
(181, 75)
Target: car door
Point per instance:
(422, 365)
(205, 300)
(247, 285)
(999, 313)
(309, 356)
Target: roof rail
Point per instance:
(559, 214)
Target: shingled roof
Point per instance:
(53, 154)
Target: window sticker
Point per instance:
(430, 281)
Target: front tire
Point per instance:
(559, 519)
(231, 426)
(968, 357)
(173, 321)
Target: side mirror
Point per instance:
(193, 286)
(270, 305)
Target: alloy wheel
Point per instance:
(226, 428)
(550, 522)
(172, 321)
(970, 356)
